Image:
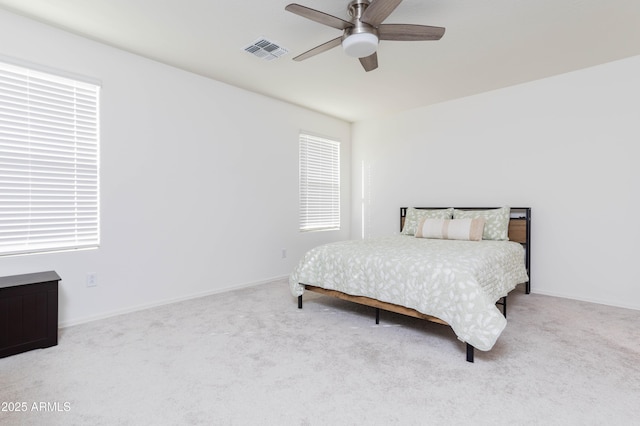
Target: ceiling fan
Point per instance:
(361, 35)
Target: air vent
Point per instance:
(266, 49)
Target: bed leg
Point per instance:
(503, 302)
(469, 353)
(377, 315)
(300, 302)
(527, 288)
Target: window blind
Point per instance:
(49, 162)
(319, 183)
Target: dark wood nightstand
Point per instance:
(28, 312)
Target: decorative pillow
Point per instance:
(414, 216)
(496, 226)
(451, 229)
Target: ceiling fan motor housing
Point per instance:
(360, 40)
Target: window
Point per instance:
(319, 183)
(49, 133)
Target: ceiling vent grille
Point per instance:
(265, 49)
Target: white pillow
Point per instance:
(451, 229)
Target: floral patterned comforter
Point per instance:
(456, 281)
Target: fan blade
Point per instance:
(319, 49)
(370, 62)
(320, 17)
(409, 32)
(378, 11)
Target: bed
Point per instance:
(431, 270)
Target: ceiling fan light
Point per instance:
(360, 45)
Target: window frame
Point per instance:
(49, 160)
(319, 183)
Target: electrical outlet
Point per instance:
(92, 279)
(284, 253)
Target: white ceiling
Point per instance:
(488, 44)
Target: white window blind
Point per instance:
(319, 183)
(49, 165)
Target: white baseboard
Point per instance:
(136, 308)
(587, 299)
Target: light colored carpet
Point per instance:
(250, 357)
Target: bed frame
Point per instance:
(519, 231)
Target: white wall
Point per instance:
(565, 146)
(199, 180)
